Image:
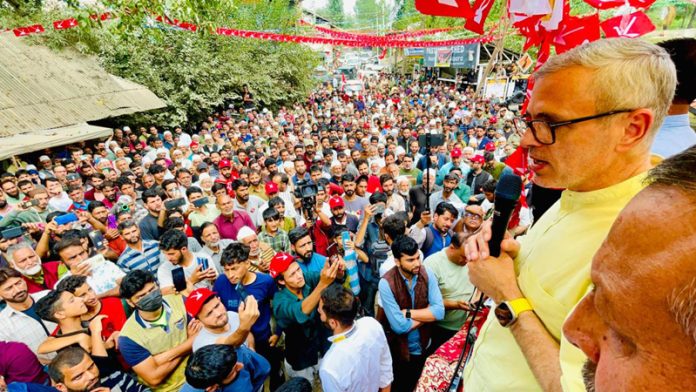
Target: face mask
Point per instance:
(150, 302)
(30, 271)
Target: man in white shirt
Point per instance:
(359, 358)
(199, 270)
(221, 326)
(19, 321)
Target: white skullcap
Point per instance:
(245, 232)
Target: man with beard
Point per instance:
(19, 321)
(457, 161)
(37, 275)
(74, 370)
(250, 204)
(260, 253)
(198, 268)
(59, 199)
(12, 194)
(149, 224)
(157, 338)
(413, 174)
(300, 171)
(239, 283)
(435, 236)
(226, 369)
(295, 309)
(449, 184)
(214, 245)
(411, 302)
(227, 175)
(354, 204)
(361, 187)
(477, 176)
(303, 247)
(646, 262)
(103, 276)
(140, 254)
(338, 209)
(231, 220)
(359, 358)
(221, 326)
(395, 202)
(256, 188)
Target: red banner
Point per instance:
(479, 15)
(65, 24)
(27, 30)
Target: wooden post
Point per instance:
(499, 47)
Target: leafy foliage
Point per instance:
(195, 73)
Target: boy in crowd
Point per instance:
(272, 234)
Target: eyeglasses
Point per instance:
(473, 216)
(544, 132)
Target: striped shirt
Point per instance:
(148, 259)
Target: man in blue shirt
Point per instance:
(220, 367)
(234, 286)
(411, 302)
(676, 135)
(435, 236)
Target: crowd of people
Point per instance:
(338, 243)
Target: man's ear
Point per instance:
(130, 303)
(213, 388)
(60, 386)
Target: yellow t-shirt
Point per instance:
(553, 272)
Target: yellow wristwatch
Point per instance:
(507, 312)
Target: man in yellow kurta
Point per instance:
(594, 113)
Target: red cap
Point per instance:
(490, 146)
(279, 264)
(195, 300)
(456, 152)
(271, 188)
(478, 159)
(193, 144)
(335, 202)
(224, 163)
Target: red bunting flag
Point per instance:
(451, 8)
(629, 26)
(383, 54)
(480, 13)
(27, 30)
(607, 4)
(575, 31)
(531, 29)
(65, 24)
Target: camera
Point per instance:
(306, 191)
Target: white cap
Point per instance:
(44, 158)
(245, 232)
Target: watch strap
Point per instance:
(408, 313)
(519, 306)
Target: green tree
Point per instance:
(195, 73)
(335, 12)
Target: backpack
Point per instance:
(429, 239)
(379, 252)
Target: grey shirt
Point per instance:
(206, 338)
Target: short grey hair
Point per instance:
(18, 246)
(629, 74)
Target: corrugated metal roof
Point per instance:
(40, 89)
(38, 140)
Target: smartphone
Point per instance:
(345, 237)
(200, 202)
(174, 203)
(97, 239)
(14, 232)
(66, 218)
(179, 279)
(204, 263)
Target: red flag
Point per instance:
(575, 31)
(480, 13)
(629, 26)
(27, 30)
(517, 161)
(65, 24)
(641, 3)
(451, 8)
(530, 28)
(384, 53)
(605, 4)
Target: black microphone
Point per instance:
(507, 193)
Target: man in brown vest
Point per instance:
(411, 301)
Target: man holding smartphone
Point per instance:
(198, 269)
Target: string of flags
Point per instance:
(337, 38)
